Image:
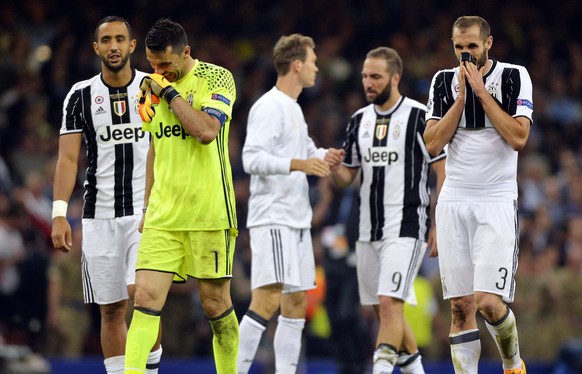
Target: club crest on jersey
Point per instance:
(190, 99)
(492, 91)
(395, 131)
(381, 131)
(119, 107)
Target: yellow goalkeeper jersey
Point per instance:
(193, 187)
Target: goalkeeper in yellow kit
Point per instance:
(189, 229)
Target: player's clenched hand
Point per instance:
(145, 104)
(160, 86)
(61, 234)
(311, 166)
(334, 157)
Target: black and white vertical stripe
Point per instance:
(278, 260)
(115, 174)
(88, 294)
(394, 195)
(515, 251)
(413, 267)
(503, 81)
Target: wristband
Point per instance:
(60, 208)
(169, 93)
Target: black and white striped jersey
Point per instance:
(390, 150)
(116, 145)
(477, 154)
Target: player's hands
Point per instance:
(473, 77)
(334, 157)
(145, 104)
(61, 234)
(311, 166)
(160, 86)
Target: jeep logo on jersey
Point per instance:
(121, 134)
(380, 156)
(169, 131)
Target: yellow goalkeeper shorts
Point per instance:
(197, 254)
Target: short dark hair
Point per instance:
(108, 19)
(165, 33)
(392, 58)
(464, 22)
(288, 49)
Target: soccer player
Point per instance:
(190, 224)
(103, 109)
(384, 142)
(483, 111)
(279, 154)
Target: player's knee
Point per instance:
(390, 307)
(294, 305)
(490, 306)
(215, 306)
(113, 312)
(463, 311)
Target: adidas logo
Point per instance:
(100, 110)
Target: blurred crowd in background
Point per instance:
(46, 46)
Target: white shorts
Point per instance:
(282, 255)
(477, 237)
(109, 257)
(388, 268)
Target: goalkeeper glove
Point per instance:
(160, 86)
(145, 104)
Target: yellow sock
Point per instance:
(141, 337)
(225, 342)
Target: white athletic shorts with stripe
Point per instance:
(282, 255)
(477, 237)
(387, 268)
(109, 257)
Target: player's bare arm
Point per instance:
(63, 185)
(515, 131)
(343, 176)
(439, 168)
(149, 181)
(438, 133)
(202, 126)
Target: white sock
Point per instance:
(287, 344)
(465, 351)
(410, 363)
(385, 357)
(153, 362)
(504, 332)
(250, 331)
(114, 365)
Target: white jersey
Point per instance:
(277, 133)
(116, 145)
(390, 150)
(477, 154)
